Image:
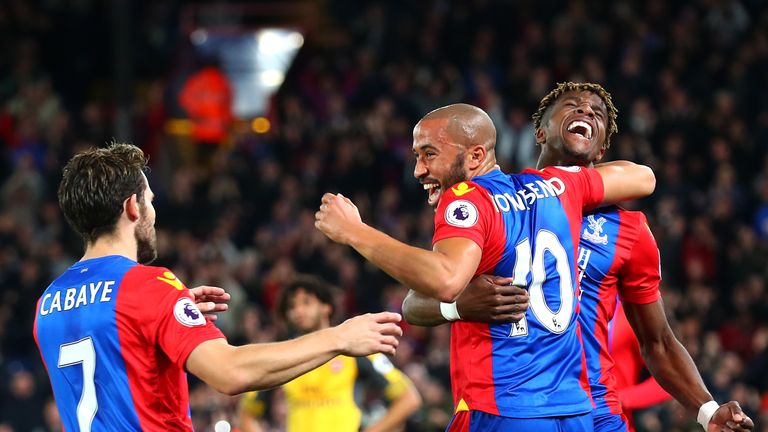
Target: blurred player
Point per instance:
(116, 336)
(324, 399)
(625, 351)
(527, 376)
(617, 253)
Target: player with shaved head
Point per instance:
(618, 258)
(505, 377)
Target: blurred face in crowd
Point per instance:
(146, 237)
(307, 313)
(575, 128)
(440, 160)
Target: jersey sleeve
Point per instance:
(378, 372)
(177, 325)
(465, 210)
(585, 183)
(640, 276)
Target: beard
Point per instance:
(146, 238)
(457, 173)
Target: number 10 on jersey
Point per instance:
(555, 321)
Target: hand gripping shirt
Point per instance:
(114, 336)
(528, 228)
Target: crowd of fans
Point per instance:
(687, 77)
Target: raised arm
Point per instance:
(441, 273)
(232, 370)
(625, 181)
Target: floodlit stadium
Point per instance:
(249, 112)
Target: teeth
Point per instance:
(429, 186)
(585, 125)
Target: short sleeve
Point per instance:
(177, 324)
(465, 210)
(640, 276)
(585, 183)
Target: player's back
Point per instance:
(531, 223)
(75, 321)
(99, 328)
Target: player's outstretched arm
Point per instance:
(441, 273)
(233, 370)
(487, 298)
(675, 370)
(624, 181)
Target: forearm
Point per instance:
(398, 412)
(280, 362)
(421, 310)
(624, 181)
(233, 370)
(424, 271)
(676, 372)
(643, 395)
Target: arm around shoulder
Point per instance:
(624, 181)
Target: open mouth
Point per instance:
(433, 189)
(580, 127)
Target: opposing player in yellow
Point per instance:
(324, 399)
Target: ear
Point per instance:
(541, 136)
(131, 208)
(476, 155)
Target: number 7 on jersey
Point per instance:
(82, 352)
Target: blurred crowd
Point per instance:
(689, 80)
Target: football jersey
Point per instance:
(324, 399)
(114, 336)
(617, 255)
(527, 226)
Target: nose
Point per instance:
(585, 108)
(420, 169)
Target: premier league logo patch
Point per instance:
(461, 213)
(187, 313)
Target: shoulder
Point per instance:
(554, 171)
(151, 277)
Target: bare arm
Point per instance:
(625, 181)
(487, 298)
(674, 369)
(441, 273)
(232, 370)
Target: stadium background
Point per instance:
(689, 81)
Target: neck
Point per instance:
(111, 245)
(548, 158)
(486, 167)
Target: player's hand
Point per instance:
(336, 216)
(369, 334)
(210, 299)
(492, 299)
(730, 417)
